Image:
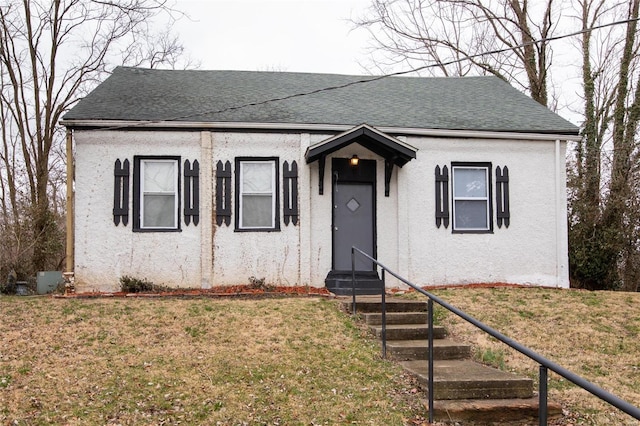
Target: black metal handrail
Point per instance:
(544, 363)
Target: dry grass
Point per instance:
(192, 361)
(593, 334)
(287, 361)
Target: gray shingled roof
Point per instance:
(469, 103)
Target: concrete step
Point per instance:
(493, 411)
(367, 304)
(407, 350)
(375, 318)
(465, 391)
(408, 331)
(341, 283)
(465, 379)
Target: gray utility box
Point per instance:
(48, 281)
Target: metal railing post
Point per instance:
(353, 281)
(430, 355)
(542, 405)
(384, 319)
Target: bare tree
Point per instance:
(603, 228)
(51, 54)
(511, 39)
(455, 37)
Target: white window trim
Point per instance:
(272, 193)
(175, 192)
(486, 198)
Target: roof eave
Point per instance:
(557, 134)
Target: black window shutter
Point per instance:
(223, 193)
(121, 192)
(442, 196)
(191, 192)
(290, 181)
(502, 196)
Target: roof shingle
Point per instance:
(467, 103)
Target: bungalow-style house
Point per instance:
(195, 179)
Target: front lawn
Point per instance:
(193, 361)
(284, 361)
(593, 334)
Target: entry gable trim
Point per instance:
(392, 149)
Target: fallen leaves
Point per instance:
(218, 291)
(118, 360)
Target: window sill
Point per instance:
(257, 230)
(462, 231)
(146, 230)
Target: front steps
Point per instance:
(466, 379)
(464, 390)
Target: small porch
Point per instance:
(354, 201)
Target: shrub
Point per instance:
(259, 284)
(7, 287)
(135, 285)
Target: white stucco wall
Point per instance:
(105, 252)
(274, 256)
(531, 251)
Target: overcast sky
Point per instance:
(277, 35)
(304, 36)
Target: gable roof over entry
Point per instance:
(390, 148)
(394, 151)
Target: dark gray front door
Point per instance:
(353, 225)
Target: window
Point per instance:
(257, 194)
(471, 197)
(156, 201)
